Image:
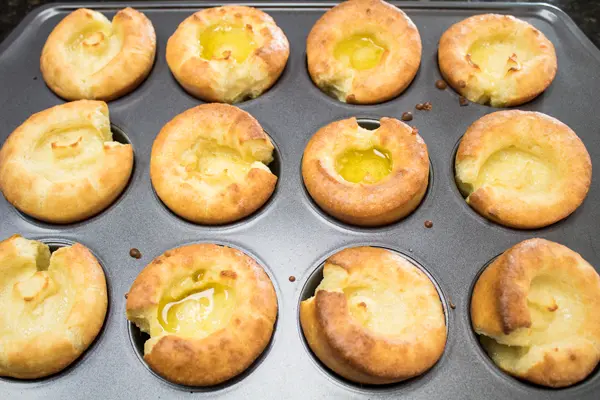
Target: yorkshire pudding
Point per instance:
(535, 308)
(375, 318)
(61, 165)
(209, 164)
(366, 177)
(496, 59)
(227, 54)
(53, 306)
(88, 57)
(522, 169)
(210, 312)
(363, 51)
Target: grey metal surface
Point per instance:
(290, 236)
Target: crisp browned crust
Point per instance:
(55, 181)
(196, 196)
(524, 80)
(391, 27)
(545, 138)
(225, 80)
(358, 352)
(53, 306)
(111, 60)
(225, 353)
(386, 201)
(501, 310)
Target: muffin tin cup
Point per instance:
(290, 236)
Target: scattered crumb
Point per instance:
(462, 100)
(292, 278)
(415, 131)
(428, 224)
(407, 116)
(452, 306)
(424, 106)
(441, 84)
(135, 253)
(35, 78)
(126, 295)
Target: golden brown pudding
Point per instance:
(375, 318)
(201, 303)
(227, 54)
(366, 177)
(535, 308)
(209, 164)
(53, 306)
(496, 59)
(62, 165)
(522, 169)
(363, 51)
(89, 57)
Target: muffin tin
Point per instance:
(290, 236)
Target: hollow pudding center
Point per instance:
(94, 39)
(34, 287)
(222, 41)
(499, 55)
(515, 169)
(93, 47)
(364, 166)
(197, 312)
(65, 153)
(379, 309)
(556, 314)
(360, 51)
(34, 298)
(215, 162)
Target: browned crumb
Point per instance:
(407, 116)
(292, 278)
(415, 131)
(452, 306)
(428, 224)
(441, 84)
(126, 295)
(228, 274)
(462, 100)
(135, 253)
(424, 106)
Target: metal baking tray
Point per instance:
(290, 236)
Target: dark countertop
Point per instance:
(585, 13)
